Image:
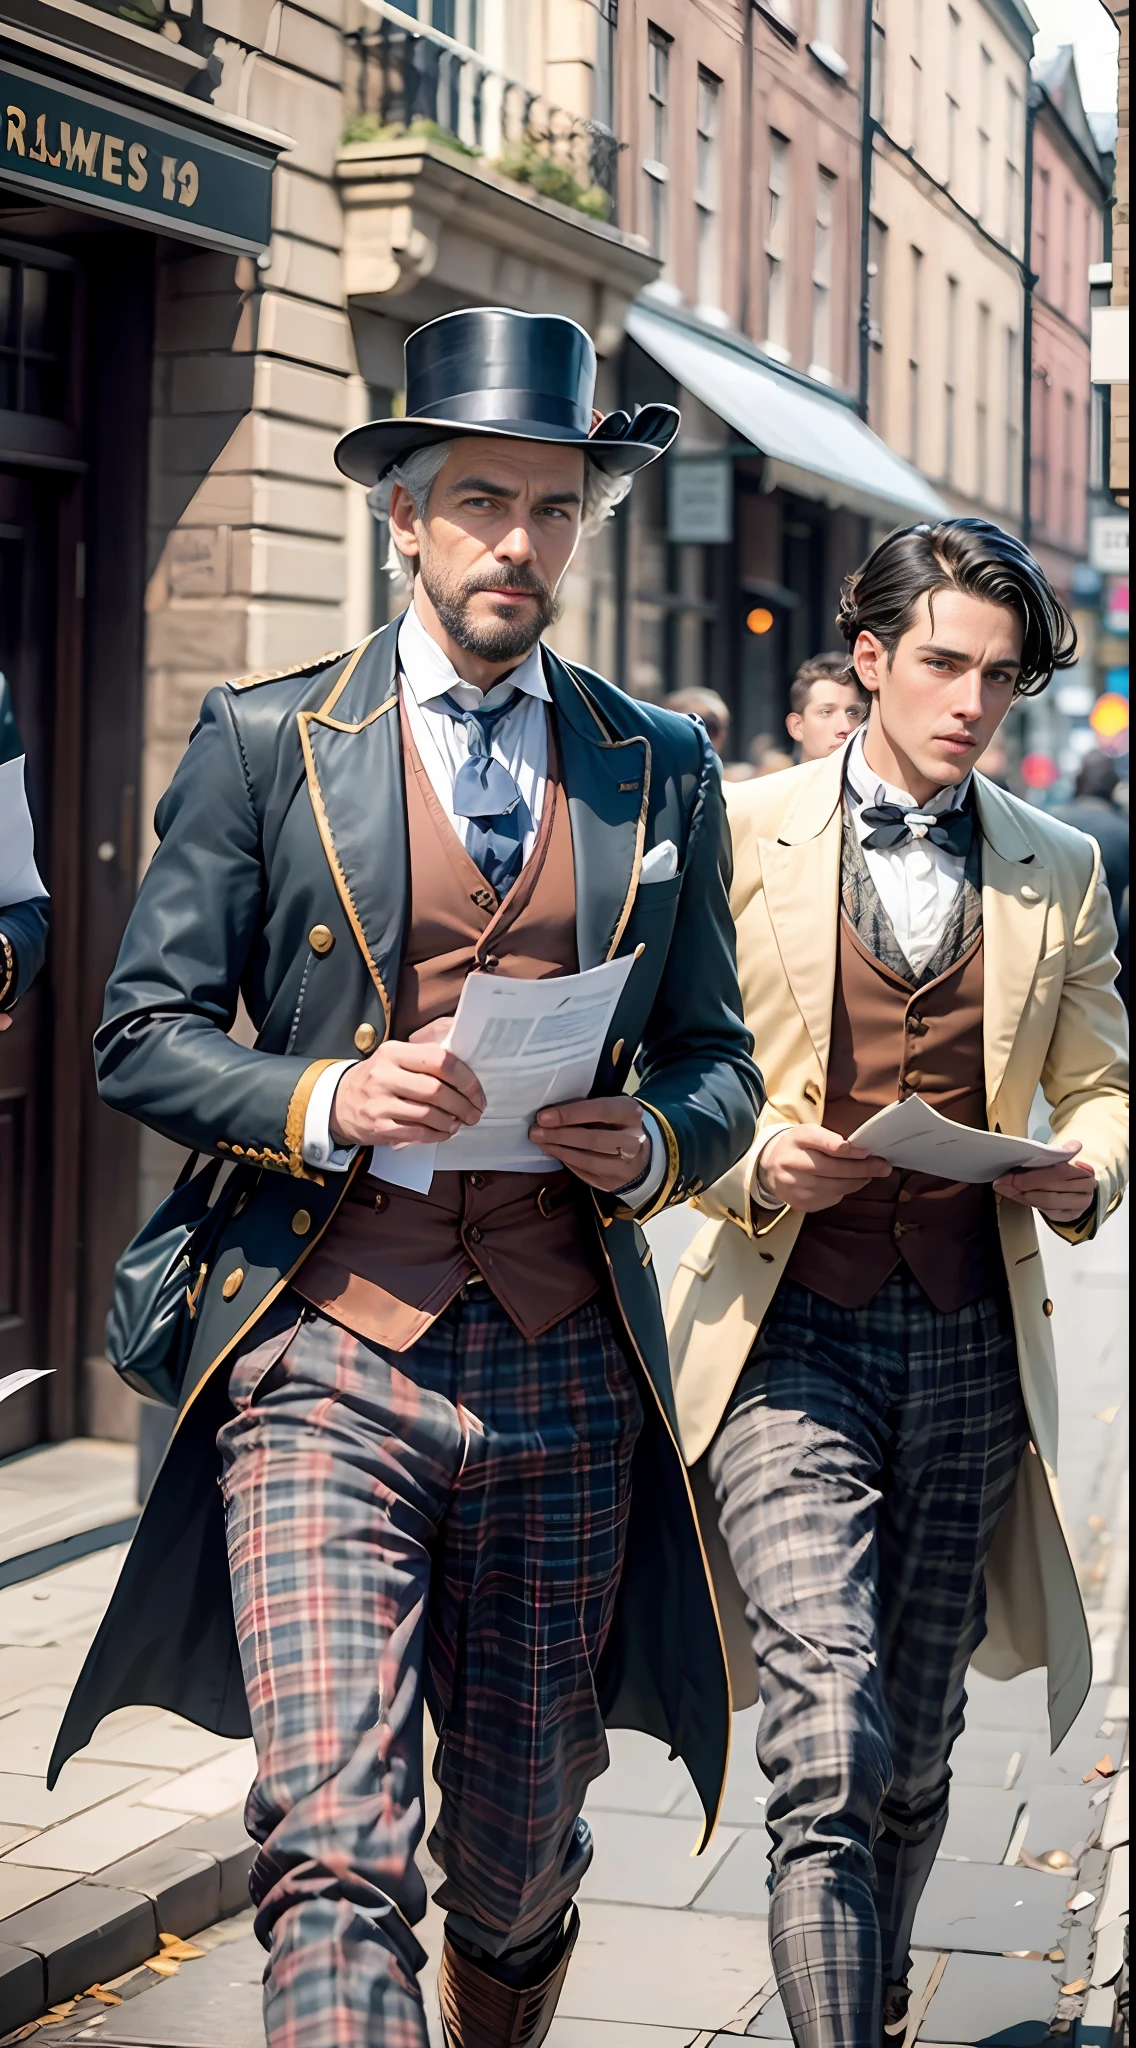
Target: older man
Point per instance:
(439, 1407)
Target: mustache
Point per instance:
(521, 578)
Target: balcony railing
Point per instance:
(411, 80)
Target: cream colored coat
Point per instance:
(1051, 1017)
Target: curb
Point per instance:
(103, 1925)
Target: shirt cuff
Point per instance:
(757, 1193)
(642, 1191)
(318, 1148)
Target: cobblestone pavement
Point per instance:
(143, 1832)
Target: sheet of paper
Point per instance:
(915, 1137)
(15, 1382)
(530, 1043)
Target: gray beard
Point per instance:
(507, 639)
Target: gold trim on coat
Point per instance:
(297, 1111)
(343, 888)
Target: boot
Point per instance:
(479, 2011)
(897, 1998)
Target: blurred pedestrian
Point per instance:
(710, 708)
(23, 898)
(1094, 810)
(774, 760)
(828, 702)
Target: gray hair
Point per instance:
(419, 471)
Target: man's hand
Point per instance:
(810, 1168)
(602, 1141)
(409, 1092)
(1062, 1191)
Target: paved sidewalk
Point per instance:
(144, 1829)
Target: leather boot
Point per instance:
(897, 1998)
(479, 2011)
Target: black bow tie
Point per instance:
(952, 830)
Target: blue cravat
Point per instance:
(486, 794)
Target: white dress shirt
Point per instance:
(917, 884)
(520, 742)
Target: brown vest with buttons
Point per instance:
(890, 1040)
(392, 1260)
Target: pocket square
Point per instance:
(661, 864)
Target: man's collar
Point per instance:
(429, 674)
(869, 787)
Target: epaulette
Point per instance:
(276, 675)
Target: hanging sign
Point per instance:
(96, 152)
(700, 499)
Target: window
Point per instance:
(821, 363)
(1041, 233)
(34, 326)
(1013, 443)
(1013, 225)
(985, 77)
(1098, 437)
(1069, 534)
(777, 248)
(950, 382)
(913, 436)
(655, 165)
(954, 70)
(916, 74)
(1067, 255)
(706, 189)
(877, 251)
(982, 407)
(1040, 452)
(879, 62)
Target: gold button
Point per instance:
(1029, 894)
(366, 1038)
(301, 1222)
(617, 1048)
(320, 939)
(640, 949)
(1047, 1307)
(233, 1282)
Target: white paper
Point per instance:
(15, 1382)
(530, 1043)
(915, 1137)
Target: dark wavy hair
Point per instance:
(959, 554)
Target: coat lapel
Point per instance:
(1015, 899)
(608, 783)
(353, 762)
(801, 877)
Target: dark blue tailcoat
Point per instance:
(288, 812)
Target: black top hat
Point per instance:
(494, 372)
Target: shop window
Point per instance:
(34, 318)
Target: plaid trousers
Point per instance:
(446, 1522)
(860, 1472)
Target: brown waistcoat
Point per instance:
(929, 1042)
(392, 1260)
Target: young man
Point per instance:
(863, 1357)
(827, 705)
(440, 1415)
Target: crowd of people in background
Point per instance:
(827, 702)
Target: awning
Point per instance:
(812, 443)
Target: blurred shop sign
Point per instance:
(1039, 771)
(1109, 345)
(1114, 614)
(1108, 543)
(700, 499)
